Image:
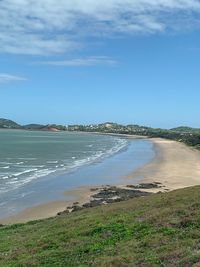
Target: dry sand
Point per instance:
(175, 166)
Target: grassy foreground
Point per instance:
(158, 230)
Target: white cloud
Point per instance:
(51, 26)
(6, 78)
(78, 62)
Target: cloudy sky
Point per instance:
(128, 61)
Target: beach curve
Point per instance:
(175, 166)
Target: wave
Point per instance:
(5, 177)
(15, 182)
(6, 167)
(23, 172)
(100, 155)
(28, 158)
(28, 173)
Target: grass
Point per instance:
(158, 230)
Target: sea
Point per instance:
(37, 167)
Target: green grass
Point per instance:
(159, 230)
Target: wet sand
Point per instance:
(174, 166)
(81, 195)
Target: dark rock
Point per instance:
(113, 194)
(116, 194)
(63, 212)
(94, 189)
(108, 195)
(93, 203)
(76, 208)
(146, 186)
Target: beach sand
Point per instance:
(174, 166)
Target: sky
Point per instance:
(84, 62)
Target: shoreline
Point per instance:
(50, 209)
(175, 166)
(125, 136)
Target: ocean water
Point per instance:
(26, 155)
(38, 167)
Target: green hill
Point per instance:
(185, 129)
(33, 127)
(9, 124)
(158, 230)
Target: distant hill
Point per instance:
(9, 124)
(182, 133)
(185, 129)
(33, 127)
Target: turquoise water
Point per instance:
(25, 155)
(37, 167)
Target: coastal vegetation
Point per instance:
(157, 230)
(187, 135)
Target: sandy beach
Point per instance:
(174, 166)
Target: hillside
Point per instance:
(9, 124)
(187, 135)
(33, 127)
(185, 129)
(158, 230)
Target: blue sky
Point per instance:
(94, 61)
